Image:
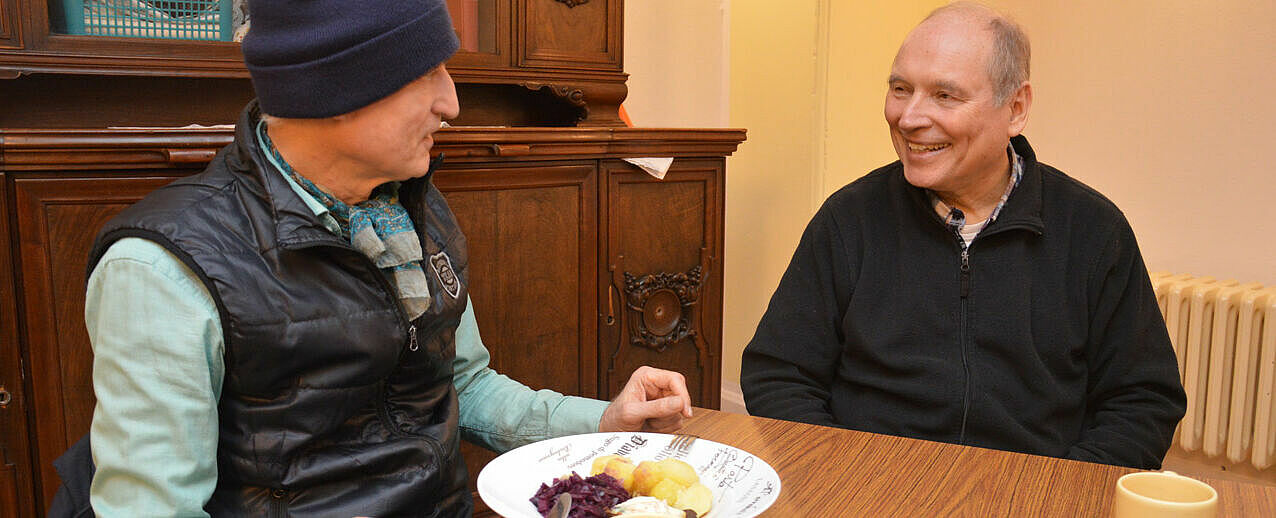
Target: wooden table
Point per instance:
(834, 472)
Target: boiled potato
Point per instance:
(679, 472)
(667, 490)
(696, 497)
(600, 463)
(621, 469)
(646, 476)
(671, 480)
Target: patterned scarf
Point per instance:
(379, 227)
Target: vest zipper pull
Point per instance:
(965, 273)
(412, 345)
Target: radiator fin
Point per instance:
(1224, 335)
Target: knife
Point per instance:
(562, 506)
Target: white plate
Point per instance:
(743, 485)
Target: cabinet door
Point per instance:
(532, 232)
(9, 37)
(17, 493)
(57, 219)
(662, 268)
(572, 34)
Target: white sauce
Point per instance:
(646, 507)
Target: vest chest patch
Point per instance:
(447, 277)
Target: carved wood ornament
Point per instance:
(571, 94)
(573, 3)
(663, 306)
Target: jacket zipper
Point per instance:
(383, 409)
(277, 503)
(965, 364)
(383, 402)
(965, 294)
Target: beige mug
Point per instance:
(1148, 494)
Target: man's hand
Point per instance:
(653, 400)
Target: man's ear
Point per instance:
(1020, 103)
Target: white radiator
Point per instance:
(1224, 334)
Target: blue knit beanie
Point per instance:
(319, 58)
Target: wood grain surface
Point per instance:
(834, 472)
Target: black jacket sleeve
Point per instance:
(788, 369)
(1134, 398)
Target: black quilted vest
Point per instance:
(333, 404)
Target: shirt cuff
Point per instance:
(576, 415)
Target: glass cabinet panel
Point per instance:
(200, 20)
(483, 27)
(475, 22)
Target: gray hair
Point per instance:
(1009, 65)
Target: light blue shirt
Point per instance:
(158, 368)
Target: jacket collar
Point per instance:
(293, 220)
(1022, 209)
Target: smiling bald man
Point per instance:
(968, 293)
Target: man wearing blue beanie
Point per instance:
(289, 333)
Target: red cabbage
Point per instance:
(591, 497)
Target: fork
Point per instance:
(681, 444)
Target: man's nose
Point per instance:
(447, 106)
(914, 115)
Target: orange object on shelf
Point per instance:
(624, 116)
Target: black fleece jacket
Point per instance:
(1043, 338)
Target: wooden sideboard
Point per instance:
(583, 266)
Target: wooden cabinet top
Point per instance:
(104, 149)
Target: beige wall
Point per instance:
(1162, 106)
(770, 178)
(1166, 107)
(864, 38)
(676, 57)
